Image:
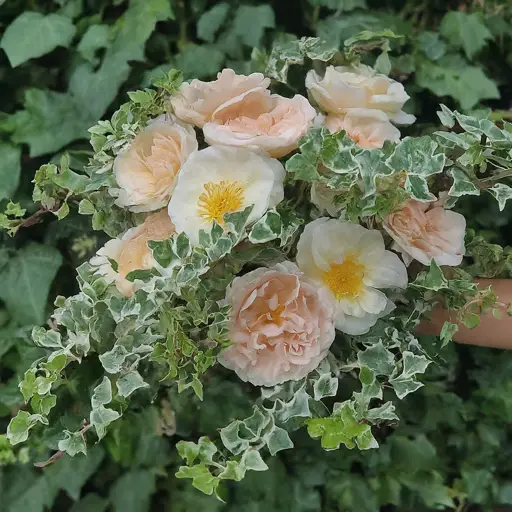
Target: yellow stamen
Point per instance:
(345, 279)
(219, 199)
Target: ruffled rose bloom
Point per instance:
(281, 326)
(426, 232)
(346, 87)
(197, 101)
(367, 128)
(146, 171)
(131, 251)
(351, 264)
(257, 119)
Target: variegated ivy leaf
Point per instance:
(418, 158)
(130, 382)
(378, 359)
(73, 443)
(502, 193)
(294, 52)
(406, 382)
(20, 425)
(462, 184)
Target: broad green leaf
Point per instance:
(251, 21)
(432, 45)
(211, 21)
(90, 503)
(71, 474)
(132, 492)
(26, 281)
(32, 34)
(96, 37)
(199, 61)
(451, 76)
(466, 31)
(10, 167)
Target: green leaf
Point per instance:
(102, 394)
(451, 76)
(341, 428)
(128, 383)
(199, 61)
(502, 193)
(251, 21)
(417, 156)
(96, 37)
(432, 45)
(211, 21)
(32, 34)
(20, 425)
(26, 281)
(9, 169)
(188, 450)
(201, 477)
(417, 186)
(132, 492)
(71, 474)
(90, 503)
(465, 30)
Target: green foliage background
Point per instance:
(68, 63)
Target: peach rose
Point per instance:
(196, 101)
(146, 171)
(257, 119)
(427, 232)
(281, 326)
(346, 87)
(131, 251)
(366, 127)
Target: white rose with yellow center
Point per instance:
(131, 251)
(147, 170)
(346, 87)
(352, 264)
(220, 180)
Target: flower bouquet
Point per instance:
(272, 228)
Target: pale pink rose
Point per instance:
(281, 326)
(131, 251)
(146, 172)
(196, 101)
(345, 87)
(367, 128)
(257, 119)
(425, 232)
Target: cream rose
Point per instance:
(281, 326)
(196, 101)
(222, 179)
(351, 264)
(146, 171)
(426, 232)
(346, 87)
(131, 251)
(257, 119)
(366, 127)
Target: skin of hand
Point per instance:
(491, 332)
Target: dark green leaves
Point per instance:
(9, 169)
(32, 34)
(466, 31)
(26, 281)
